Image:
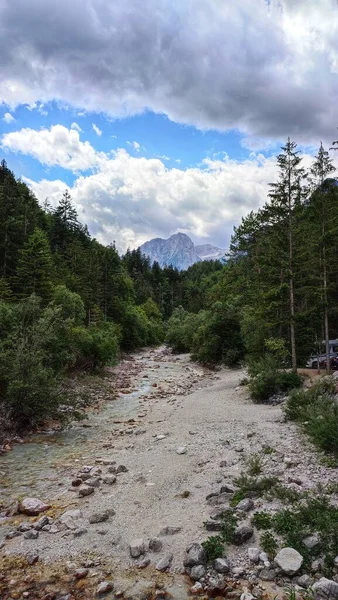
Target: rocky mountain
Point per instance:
(179, 251)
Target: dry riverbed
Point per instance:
(139, 470)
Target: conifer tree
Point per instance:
(325, 219)
(286, 197)
(34, 271)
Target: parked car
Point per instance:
(318, 359)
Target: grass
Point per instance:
(262, 520)
(268, 449)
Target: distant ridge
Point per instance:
(179, 251)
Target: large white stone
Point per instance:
(289, 560)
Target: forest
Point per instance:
(69, 304)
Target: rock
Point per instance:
(216, 584)
(196, 589)
(195, 555)
(213, 525)
(268, 574)
(170, 530)
(143, 563)
(79, 532)
(289, 560)
(109, 479)
(247, 596)
(87, 468)
(238, 571)
(137, 547)
(25, 526)
(160, 437)
(221, 565)
(305, 581)
(32, 507)
(312, 540)
(121, 469)
(227, 489)
(32, 534)
(325, 589)
(155, 545)
(81, 573)
(70, 517)
(164, 563)
(100, 517)
(42, 522)
(77, 482)
(246, 504)
(32, 558)
(223, 464)
(93, 482)
(104, 587)
(198, 572)
(181, 450)
(85, 490)
(254, 554)
(242, 534)
(112, 469)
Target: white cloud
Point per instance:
(96, 129)
(132, 199)
(76, 126)
(57, 146)
(265, 67)
(8, 118)
(135, 145)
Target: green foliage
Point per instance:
(317, 412)
(34, 268)
(269, 544)
(229, 524)
(254, 465)
(214, 547)
(71, 304)
(266, 379)
(262, 520)
(252, 487)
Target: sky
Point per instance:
(162, 116)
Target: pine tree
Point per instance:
(321, 169)
(286, 196)
(35, 265)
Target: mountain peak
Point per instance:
(179, 251)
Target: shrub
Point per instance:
(95, 346)
(269, 544)
(317, 411)
(214, 547)
(266, 379)
(254, 465)
(262, 520)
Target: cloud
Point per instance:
(132, 199)
(8, 118)
(57, 146)
(268, 69)
(76, 126)
(135, 145)
(96, 129)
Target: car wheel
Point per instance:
(314, 365)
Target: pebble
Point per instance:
(254, 554)
(181, 450)
(109, 479)
(155, 545)
(198, 572)
(196, 589)
(100, 517)
(221, 565)
(195, 555)
(32, 558)
(121, 469)
(32, 506)
(246, 504)
(31, 534)
(81, 573)
(242, 534)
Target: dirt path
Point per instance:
(215, 427)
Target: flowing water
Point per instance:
(32, 468)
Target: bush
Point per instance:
(267, 380)
(214, 547)
(317, 411)
(95, 346)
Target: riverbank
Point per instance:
(157, 455)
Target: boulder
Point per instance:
(289, 561)
(104, 587)
(32, 506)
(195, 555)
(245, 505)
(305, 581)
(325, 589)
(42, 522)
(85, 490)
